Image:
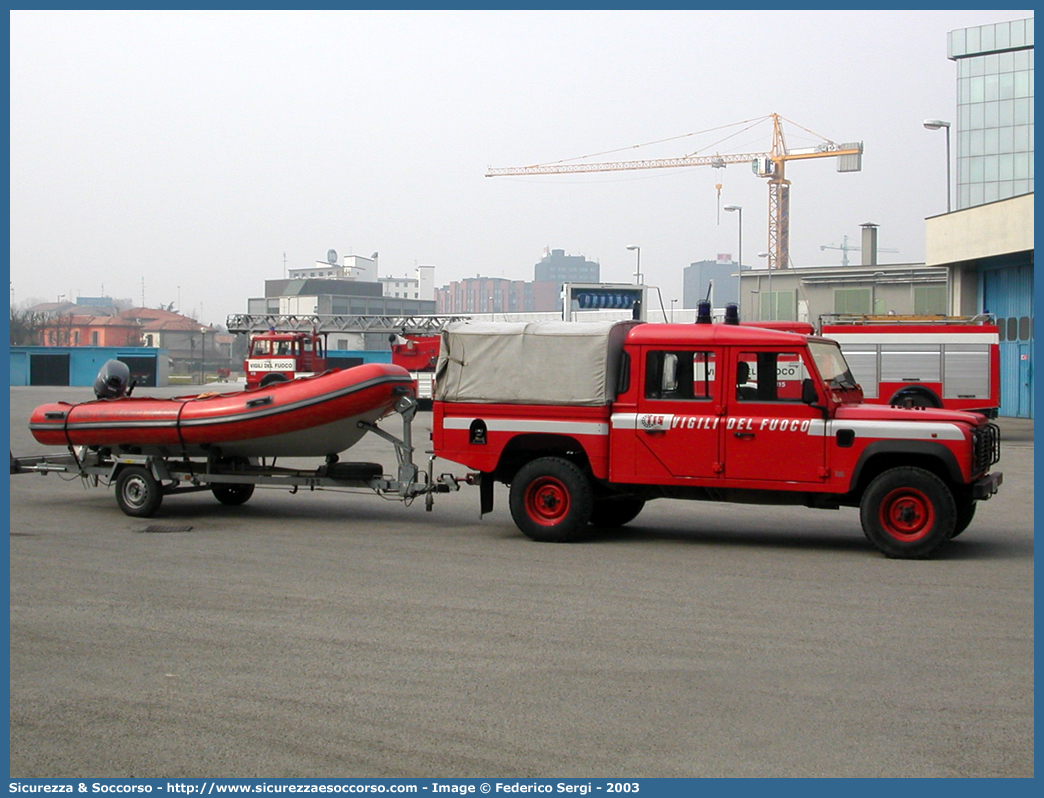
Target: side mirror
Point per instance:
(809, 395)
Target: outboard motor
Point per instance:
(113, 380)
(732, 313)
(703, 312)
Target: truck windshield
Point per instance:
(831, 364)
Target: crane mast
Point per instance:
(770, 165)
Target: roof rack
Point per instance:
(852, 318)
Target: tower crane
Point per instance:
(846, 248)
(770, 165)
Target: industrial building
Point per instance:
(979, 254)
(499, 295)
(716, 280)
(985, 240)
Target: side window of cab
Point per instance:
(674, 375)
(770, 376)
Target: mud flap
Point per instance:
(485, 494)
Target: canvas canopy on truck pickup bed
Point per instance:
(544, 363)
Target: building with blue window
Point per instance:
(986, 242)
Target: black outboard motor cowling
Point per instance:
(113, 380)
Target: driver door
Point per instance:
(680, 415)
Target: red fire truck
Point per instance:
(587, 422)
(418, 354)
(922, 361)
(277, 356)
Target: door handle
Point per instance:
(743, 434)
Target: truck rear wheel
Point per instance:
(551, 500)
(908, 512)
(616, 512)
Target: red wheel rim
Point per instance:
(547, 501)
(907, 514)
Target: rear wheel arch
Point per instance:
(523, 449)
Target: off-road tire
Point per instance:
(908, 512)
(551, 500)
(616, 512)
(965, 514)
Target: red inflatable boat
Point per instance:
(306, 417)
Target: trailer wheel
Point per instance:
(232, 493)
(551, 500)
(138, 493)
(908, 512)
(616, 512)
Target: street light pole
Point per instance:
(935, 124)
(638, 251)
(202, 355)
(738, 208)
(772, 299)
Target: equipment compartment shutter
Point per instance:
(862, 360)
(911, 363)
(49, 369)
(337, 362)
(967, 371)
(142, 369)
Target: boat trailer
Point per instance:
(141, 481)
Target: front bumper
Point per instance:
(986, 486)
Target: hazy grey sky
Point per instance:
(188, 151)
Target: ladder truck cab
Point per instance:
(586, 422)
(280, 356)
(922, 361)
(418, 354)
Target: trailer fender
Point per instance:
(156, 465)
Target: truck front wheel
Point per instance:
(551, 500)
(965, 514)
(908, 512)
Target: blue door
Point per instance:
(1025, 408)
(1007, 293)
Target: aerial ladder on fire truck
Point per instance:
(770, 165)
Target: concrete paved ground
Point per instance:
(332, 634)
